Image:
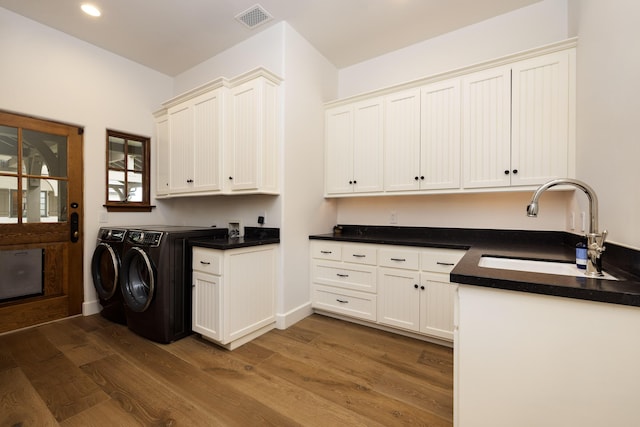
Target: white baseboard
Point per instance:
(284, 320)
(91, 307)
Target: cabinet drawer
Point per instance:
(348, 276)
(360, 254)
(398, 258)
(207, 261)
(332, 251)
(440, 260)
(349, 303)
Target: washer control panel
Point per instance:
(144, 238)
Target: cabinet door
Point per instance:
(162, 155)
(250, 278)
(440, 135)
(245, 130)
(207, 140)
(339, 150)
(367, 146)
(402, 141)
(437, 300)
(486, 128)
(181, 148)
(207, 305)
(540, 119)
(399, 298)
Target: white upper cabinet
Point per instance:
(195, 137)
(354, 135)
(402, 141)
(499, 125)
(486, 131)
(516, 123)
(162, 153)
(540, 119)
(252, 156)
(440, 135)
(222, 138)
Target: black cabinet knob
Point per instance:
(506, 172)
(415, 286)
(515, 171)
(416, 178)
(422, 287)
(422, 177)
(230, 177)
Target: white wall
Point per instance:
(49, 74)
(608, 99)
(310, 80)
(532, 26)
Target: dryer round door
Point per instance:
(105, 267)
(138, 278)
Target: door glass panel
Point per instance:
(44, 154)
(8, 191)
(8, 149)
(44, 200)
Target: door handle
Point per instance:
(74, 230)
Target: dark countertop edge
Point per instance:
(232, 243)
(253, 236)
(551, 246)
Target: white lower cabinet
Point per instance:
(234, 293)
(403, 288)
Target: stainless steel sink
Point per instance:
(535, 266)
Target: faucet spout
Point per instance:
(595, 240)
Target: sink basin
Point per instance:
(535, 266)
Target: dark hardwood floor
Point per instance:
(86, 371)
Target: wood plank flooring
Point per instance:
(87, 371)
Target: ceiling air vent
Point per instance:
(254, 16)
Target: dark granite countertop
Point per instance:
(253, 236)
(621, 262)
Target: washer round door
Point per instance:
(138, 279)
(105, 267)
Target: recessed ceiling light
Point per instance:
(90, 9)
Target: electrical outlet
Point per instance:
(572, 221)
(393, 219)
(262, 217)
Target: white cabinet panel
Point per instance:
(402, 141)
(486, 128)
(181, 148)
(540, 119)
(162, 153)
(399, 298)
(437, 299)
(207, 140)
(440, 136)
(353, 141)
(206, 302)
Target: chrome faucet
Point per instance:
(595, 240)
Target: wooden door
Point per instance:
(41, 221)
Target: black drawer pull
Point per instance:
(341, 301)
(398, 259)
(342, 275)
(326, 252)
(445, 263)
(359, 256)
(205, 263)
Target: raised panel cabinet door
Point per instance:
(162, 155)
(540, 119)
(245, 129)
(437, 301)
(181, 149)
(208, 111)
(339, 150)
(440, 135)
(399, 298)
(367, 146)
(402, 141)
(207, 305)
(486, 136)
